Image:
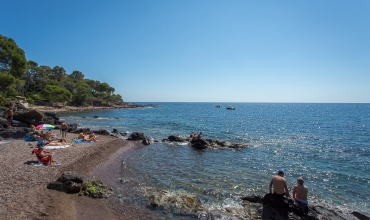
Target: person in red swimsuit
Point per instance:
(45, 157)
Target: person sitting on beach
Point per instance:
(83, 137)
(200, 135)
(45, 157)
(92, 137)
(279, 184)
(32, 127)
(299, 194)
(63, 129)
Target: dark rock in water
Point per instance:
(136, 136)
(69, 182)
(253, 198)
(115, 131)
(96, 116)
(175, 201)
(361, 215)
(15, 133)
(199, 143)
(147, 141)
(176, 139)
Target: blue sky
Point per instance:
(203, 50)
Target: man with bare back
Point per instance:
(300, 194)
(278, 182)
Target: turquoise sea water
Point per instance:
(327, 144)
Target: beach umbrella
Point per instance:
(44, 127)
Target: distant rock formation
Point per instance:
(204, 143)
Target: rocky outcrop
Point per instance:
(175, 202)
(14, 132)
(139, 136)
(281, 208)
(68, 182)
(173, 138)
(199, 143)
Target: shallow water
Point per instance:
(326, 144)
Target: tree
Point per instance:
(58, 73)
(12, 58)
(56, 94)
(82, 93)
(29, 74)
(77, 75)
(7, 83)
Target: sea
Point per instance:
(328, 145)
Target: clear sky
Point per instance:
(203, 50)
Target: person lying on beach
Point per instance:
(45, 157)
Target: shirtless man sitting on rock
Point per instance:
(279, 184)
(300, 194)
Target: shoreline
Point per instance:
(23, 192)
(84, 109)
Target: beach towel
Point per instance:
(30, 138)
(3, 142)
(56, 147)
(81, 141)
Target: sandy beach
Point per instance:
(23, 192)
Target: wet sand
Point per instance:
(23, 192)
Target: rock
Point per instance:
(176, 139)
(253, 198)
(70, 176)
(95, 189)
(147, 141)
(96, 116)
(361, 215)
(15, 132)
(136, 136)
(102, 132)
(199, 143)
(69, 182)
(176, 202)
(72, 187)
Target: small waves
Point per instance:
(326, 144)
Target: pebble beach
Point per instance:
(23, 192)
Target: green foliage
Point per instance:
(56, 94)
(82, 93)
(26, 78)
(30, 100)
(77, 75)
(12, 58)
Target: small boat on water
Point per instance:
(229, 107)
(218, 106)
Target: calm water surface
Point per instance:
(327, 144)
